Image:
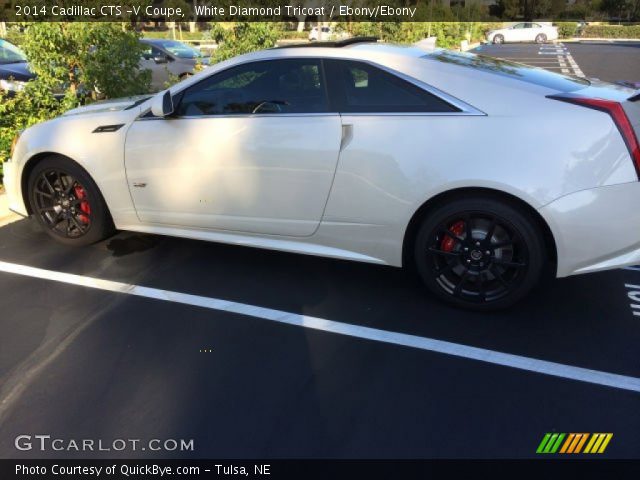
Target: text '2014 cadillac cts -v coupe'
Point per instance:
(478, 171)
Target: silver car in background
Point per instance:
(166, 58)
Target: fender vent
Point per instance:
(108, 128)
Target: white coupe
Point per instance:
(481, 173)
(524, 32)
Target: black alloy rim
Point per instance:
(63, 204)
(477, 257)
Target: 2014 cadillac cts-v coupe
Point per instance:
(478, 171)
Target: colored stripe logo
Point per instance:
(574, 442)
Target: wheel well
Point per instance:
(31, 164)
(423, 211)
(26, 171)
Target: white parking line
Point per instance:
(574, 65)
(384, 336)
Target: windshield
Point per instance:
(10, 53)
(180, 50)
(517, 71)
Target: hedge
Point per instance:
(611, 31)
(567, 29)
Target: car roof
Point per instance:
(360, 50)
(157, 41)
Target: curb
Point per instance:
(6, 215)
(595, 39)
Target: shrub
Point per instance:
(612, 31)
(567, 29)
(72, 61)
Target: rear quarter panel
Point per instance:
(526, 145)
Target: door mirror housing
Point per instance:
(162, 104)
(161, 59)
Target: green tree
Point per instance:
(243, 37)
(72, 63)
(87, 57)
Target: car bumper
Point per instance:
(13, 188)
(596, 229)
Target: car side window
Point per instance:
(263, 87)
(151, 52)
(359, 87)
(519, 25)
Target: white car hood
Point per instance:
(112, 105)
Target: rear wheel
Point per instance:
(541, 38)
(479, 253)
(67, 203)
(498, 39)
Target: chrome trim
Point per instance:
(465, 108)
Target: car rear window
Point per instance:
(517, 71)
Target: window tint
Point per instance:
(152, 52)
(516, 71)
(270, 86)
(363, 88)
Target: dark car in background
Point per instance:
(14, 69)
(169, 57)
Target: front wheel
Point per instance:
(498, 39)
(479, 253)
(67, 203)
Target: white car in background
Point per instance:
(448, 162)
(524, 32)
(320, 34)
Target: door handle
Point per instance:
(347, 135)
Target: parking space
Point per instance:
(609, 61)
(261, 354)
(199, 353)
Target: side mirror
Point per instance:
(161, 59)
(162, 104)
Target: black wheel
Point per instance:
(541, 38)
(479, 253)
(498, 39)
(67, 203)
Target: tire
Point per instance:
(67, 203)
(476, 272)
(498, 39)
(541, 38)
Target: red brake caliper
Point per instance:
(447, 243)
(84, 205)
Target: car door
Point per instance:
(518, 33)
(253, 148)
(157, 61)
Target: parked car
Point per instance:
(320, 33)
(14, 69)
(169, 57)
(524, 32)
(459, 165)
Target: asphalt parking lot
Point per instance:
(604, 60)
(260, 354)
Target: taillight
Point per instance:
(619, 117)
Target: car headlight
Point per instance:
(14, 142)
(11, 85)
